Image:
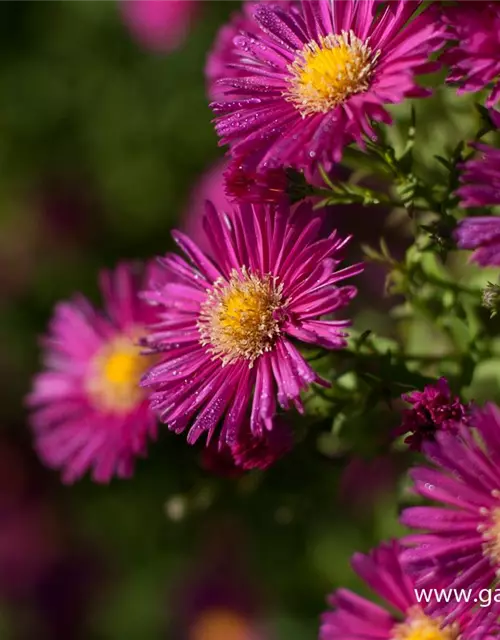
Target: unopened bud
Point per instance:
(491, 298)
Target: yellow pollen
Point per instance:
(418, 626)
(114, 375)
(325, 74)
(239, 318)
(220, 624)
(491, 536)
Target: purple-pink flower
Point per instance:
(226, 336)
(434, 409)
(483, 235)
(88, 411)
(460, 546)
(354, 617)
(159, 25)
(480, 178)
(303, 80)
(480, 187)
(474, 55)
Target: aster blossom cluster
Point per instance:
(280, 329)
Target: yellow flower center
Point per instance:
(220, 624)
(239, 319)
(418, 626)
(325, 74)
(114, 375)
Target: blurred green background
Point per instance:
(101, 142)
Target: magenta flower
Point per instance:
(354, 617)
(480, 178)
(89, 412)
(225, 336)
(159, 25)
(474, 56)
(480, 187)
(305, 80)
(461, 544)
(434, 409)
(483, 235)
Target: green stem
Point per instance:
(454, 286)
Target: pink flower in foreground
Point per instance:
(226, 336)
(160, 25)
(356, 618)
(88, 410)
(303, 80)
(458, 546)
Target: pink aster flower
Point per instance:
(159, 25)
(483, 235)
(89, 412)
(460, 547)
(434, 409)
(474, 56)
(480, 178)
(224, 339)
(305, 80)
(356, 617)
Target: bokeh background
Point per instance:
(105, 144)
